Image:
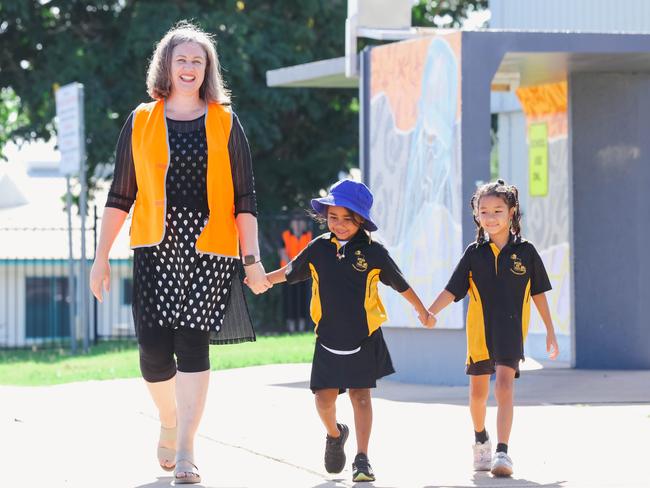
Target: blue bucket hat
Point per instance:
(351, 195)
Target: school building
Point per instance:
(567, 87)
(36, 302)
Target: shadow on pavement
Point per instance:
(547, 386)
(168, 481)
(341, 484)
(486, 480)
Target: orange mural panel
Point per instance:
(546, 103)
(397, 70)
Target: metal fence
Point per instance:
(40, 292)
(39, 303)
(284, 308)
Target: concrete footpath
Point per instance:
(572, 429)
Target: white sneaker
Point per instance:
(482, 456)
(502, 465)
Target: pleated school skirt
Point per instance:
(361, 369)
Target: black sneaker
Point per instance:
(361, 469)
(334, 452)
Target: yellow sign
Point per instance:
(538, 159)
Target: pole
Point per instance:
(71, 141)
(71, 273)
(95, 321)
(83, 282)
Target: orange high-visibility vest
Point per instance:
(293, 245)
(150, 146)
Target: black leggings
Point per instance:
(159, 344)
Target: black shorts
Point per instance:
(164, 350)
(359, 370)
(489, 366)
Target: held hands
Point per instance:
(256, 278)
(100, 277)
(551, 345)
(427, 319)
(431, 321)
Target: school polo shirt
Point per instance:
(500, 284)
(345, 303)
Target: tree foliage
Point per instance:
(300, 138)
(445, 13)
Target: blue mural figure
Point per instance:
(431, 156)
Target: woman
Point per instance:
(185, 162)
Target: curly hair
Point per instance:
(509, 194)
(159, 82)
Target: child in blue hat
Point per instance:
(346, 266)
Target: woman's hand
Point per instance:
(100, 277)
(256, 278)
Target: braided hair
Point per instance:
(509, 194)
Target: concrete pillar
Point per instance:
(610, 152)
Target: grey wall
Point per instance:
(571, 15)
(364, 114)
(427, 356)
(609, 123)
(513, 152)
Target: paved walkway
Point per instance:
(572, 429)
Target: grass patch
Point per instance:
(119, 359)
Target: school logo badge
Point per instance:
(517, 267)
(359, 262)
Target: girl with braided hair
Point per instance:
(502, 272)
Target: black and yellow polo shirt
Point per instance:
(500, 284)
(345, 303)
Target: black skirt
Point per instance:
(361, 369)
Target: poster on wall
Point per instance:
(538, 159)
(545, 108)
(415, 167)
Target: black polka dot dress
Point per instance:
(175, 285)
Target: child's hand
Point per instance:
(551, 345)
(423, 315)
(431, 321)
(248, 284)
(425, 318)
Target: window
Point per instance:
(47, 307)
(127, 291)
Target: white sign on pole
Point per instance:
(69, 112)
(72, 145)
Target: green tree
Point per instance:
(300, 138)
(10, 117)
(445, 13)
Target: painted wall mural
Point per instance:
(415, 166)
(546, 219)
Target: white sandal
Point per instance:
(191, 477)
(167, 454)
